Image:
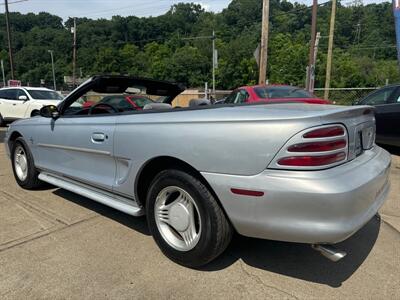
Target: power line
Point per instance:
(18, 1)
(151, 7)
(294, 11)
(365, 47)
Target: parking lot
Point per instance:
(55, 244)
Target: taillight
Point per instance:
(312, 161)
(321, 147)
(325, 132)
(318, 146)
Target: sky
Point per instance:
(95, 9)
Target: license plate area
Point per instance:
(358, 145)
(364, 137)
(368, 137)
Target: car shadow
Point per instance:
(288, 259)
(2, 135)
(299, 260)
(136, 223)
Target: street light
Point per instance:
(52, 66)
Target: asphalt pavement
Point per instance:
(57, 245)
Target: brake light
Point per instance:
(318, 146)
(312, 161)
(324, 146)
(325, 132)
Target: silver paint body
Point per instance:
(232, 147)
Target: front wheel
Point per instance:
(185, 220)
(23, 166)
(35, 113)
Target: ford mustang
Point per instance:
(289, 172)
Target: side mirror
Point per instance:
(49, 111)
(357, 102)
(23, 98)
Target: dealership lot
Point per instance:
(54, 244)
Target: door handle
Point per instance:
(99, 137)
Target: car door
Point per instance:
(20, 106)
(382, 100)
(9, 104)
(4, 104)
(78, 147)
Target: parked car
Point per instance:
(387, 113)
(123, 102)
(289, 172)
(271, 94)
(24, 102)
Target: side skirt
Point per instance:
(125, 205)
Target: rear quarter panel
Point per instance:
(199, 138)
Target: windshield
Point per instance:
(93, 102)
(141, 101)
(45, 95)
(282, 92)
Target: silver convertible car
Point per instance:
(290, 172)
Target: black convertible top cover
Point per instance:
(119, 84)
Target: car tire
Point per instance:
(2, 122)
(35, 113)
(23, 166)
(190, 227)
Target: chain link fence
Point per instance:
(341, 96)
(345, 96)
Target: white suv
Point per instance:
(24, 102)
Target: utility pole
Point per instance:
(52, 66)
(311, 62)
(214, 54)
(2, 71)
(330, 46)
(213, 63)
(312, 79)
(74, 57)
(264, 43)
(10, 53)
(396, 14)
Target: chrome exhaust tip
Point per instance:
(330, 252)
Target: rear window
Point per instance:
(282, 92)
(45, 95)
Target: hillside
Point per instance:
(168, 47)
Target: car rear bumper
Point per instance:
(325, 206)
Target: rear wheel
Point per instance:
(23, 166)
(185, 220)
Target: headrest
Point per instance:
(158, 106)
(199, 102)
